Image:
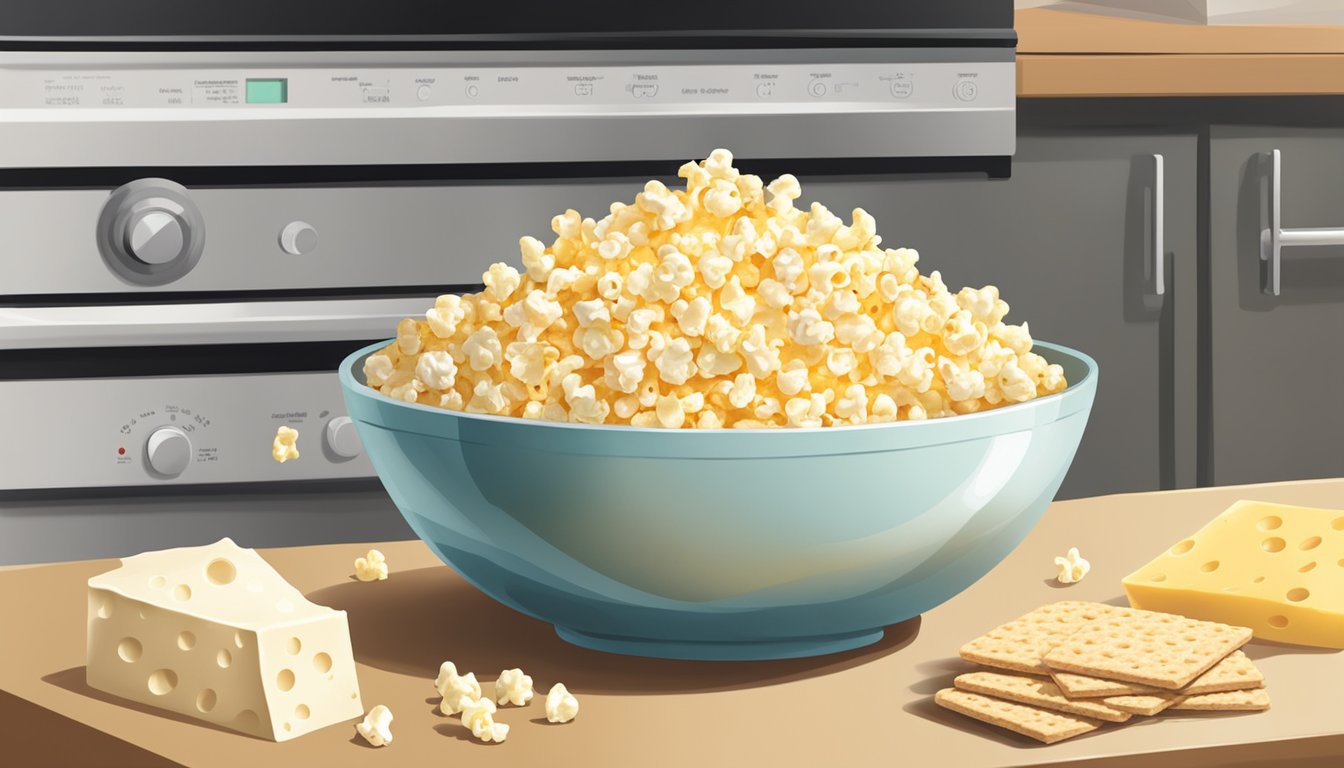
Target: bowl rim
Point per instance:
(357, 388)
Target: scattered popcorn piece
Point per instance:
(286, 444)
(1072, 567)
(561, 706)
(624, 319)
(458, 691)
(479, 717)
(371, 567)
(377, 726)
(513, 687)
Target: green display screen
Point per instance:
(273, 90)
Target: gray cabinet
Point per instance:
(1067, 240)
(1274, 365)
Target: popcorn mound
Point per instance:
(721, 305)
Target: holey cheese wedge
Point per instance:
(1274, 568)
(215, 633)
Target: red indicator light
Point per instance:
(121, 451)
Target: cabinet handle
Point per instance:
(1159, 247)
(1275, 238)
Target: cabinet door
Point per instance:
(1067, 241)
(1276, 363)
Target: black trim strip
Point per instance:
(993, 165)
(241, 489)
(176, 360)
(1004, 39)
(198, 297)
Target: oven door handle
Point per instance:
(215, 323)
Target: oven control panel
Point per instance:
(909, 85)
(101, 432)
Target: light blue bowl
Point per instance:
(722, 544)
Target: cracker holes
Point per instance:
(1257, 579)
(182, 593)
(186, 640)
(1278, 621)
(104, 607)
(293, 645)
(1273, 544)
(206, 700)
(322, 663)
(285, 680)
(247, 720)
(1161, 577)
(1298, 594)
(1183, 547)
(238, 639)
(220, 572)
(224, 659)
(1337, 523)
(129, 649)
(1210, 566)
(302, 712)
(162, 681)
(1269, 523)
(1311, 542)
(158, 582)
(1307, 567)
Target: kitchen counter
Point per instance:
(1077, 53)
(871, 706)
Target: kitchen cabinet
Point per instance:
(1067, 239)
(1274, 364)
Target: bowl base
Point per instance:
(750, 650)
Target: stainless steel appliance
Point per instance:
(202, 211)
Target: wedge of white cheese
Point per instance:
(215, 633)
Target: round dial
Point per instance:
(150, 232)
(298, 238)
(168, 451)
(342, 438)
(155, 236)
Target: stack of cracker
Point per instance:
(1066, 668)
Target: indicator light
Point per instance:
(121, 451)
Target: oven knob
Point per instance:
(155, 236)
(298, 238)
(342, 438)
(168, 451)
(150, 232)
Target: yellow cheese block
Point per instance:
(1275, 568)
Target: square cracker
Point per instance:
(1037, 692)
(1235, 673)
(1040, 724)
(1020, 644)
(1158, 649)
(1254, 700)
(1143, 704)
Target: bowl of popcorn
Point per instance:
(716, 425)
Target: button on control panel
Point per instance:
(966, 90)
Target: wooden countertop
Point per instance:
(1079, 53)
(867, 707)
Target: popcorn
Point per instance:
(561, 706)
(513, 687)
(458, 691)
(1072, 567)
(371, 567)
(722, 304)
(377, 726)
(285, 446)
(479, 717)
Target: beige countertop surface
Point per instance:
(1069, 52)
(868, 707)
